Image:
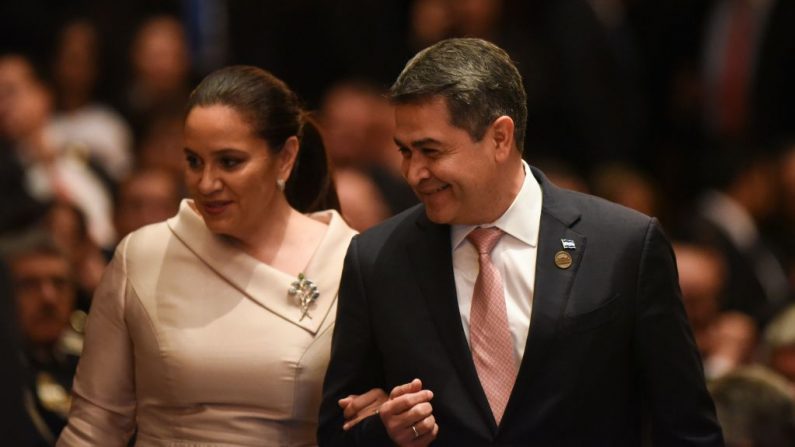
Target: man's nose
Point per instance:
(415, 169)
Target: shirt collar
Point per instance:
(521, 220)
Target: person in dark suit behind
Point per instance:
(15, 426)
(570, 332)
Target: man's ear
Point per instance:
(501, 133)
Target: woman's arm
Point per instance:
(103, 405)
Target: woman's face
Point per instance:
(231, 172)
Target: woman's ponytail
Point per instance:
(310, 186)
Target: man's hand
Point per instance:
(408, 415)
(357, 407)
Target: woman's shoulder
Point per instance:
(145, 242)
(337, 226)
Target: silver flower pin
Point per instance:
(305, 293)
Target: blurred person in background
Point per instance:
(779, 345)
(755, 407)
(628, 186)
(67, 225)
(358, 122)
(15, 426)
(160, 145)
(146, 196)
(161, 72)
(357, 125)
(20, 208)
(80, 119)
(361, 202)
(725, 340)
(782, 225)
(731, 217)
(747, 67)
(52, 172)
(561, 173)
(51, 328)
(429, 22)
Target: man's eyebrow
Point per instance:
(415, 143)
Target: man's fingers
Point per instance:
(434, 433)
(419, 413)
(406, 402)
(399, 425)
(426, 437)
(425, 426)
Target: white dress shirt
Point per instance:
(514, 256)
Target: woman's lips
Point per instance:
(215, 207)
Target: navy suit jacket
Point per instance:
(608, 345)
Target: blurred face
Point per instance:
(476, 18)
(430, 20)
(701, 281)
(147, 198)
(231, 173)
(75, 62)
(456, 178)
(161, 147)
(160, 55)
(45, 296)
(358, 126)
(63, 222)
(24, 102)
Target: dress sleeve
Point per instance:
(103, 394)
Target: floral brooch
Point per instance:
(305, 293)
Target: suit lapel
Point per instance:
(552, 284)
(431, 258)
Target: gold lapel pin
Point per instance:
(563, 259)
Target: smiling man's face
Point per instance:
(454, 176)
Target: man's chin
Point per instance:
(437, 216)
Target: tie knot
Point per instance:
(484, 239)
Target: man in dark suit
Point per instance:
(567, 331)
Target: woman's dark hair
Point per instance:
(275, 114)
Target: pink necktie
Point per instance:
(490, 338)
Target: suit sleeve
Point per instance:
(103, 395)
(355, 365)
(682, 411)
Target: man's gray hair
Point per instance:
(477, 79)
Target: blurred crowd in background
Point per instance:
(681, 109)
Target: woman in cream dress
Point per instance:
(214, 327)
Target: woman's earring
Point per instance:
(280, 183)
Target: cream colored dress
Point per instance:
(194, 343)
